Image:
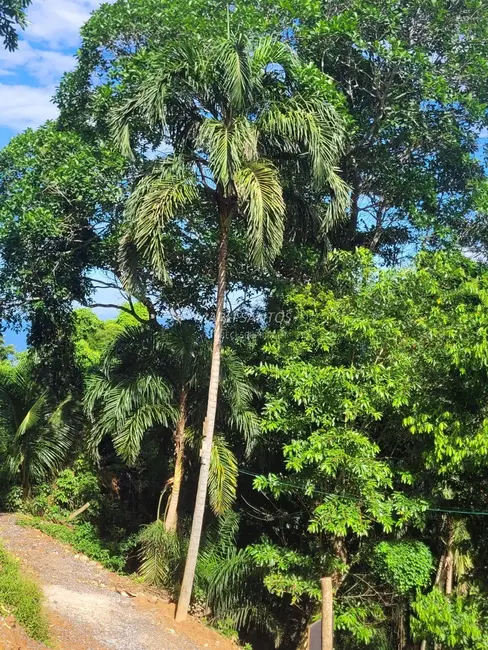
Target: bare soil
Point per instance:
(90, 608)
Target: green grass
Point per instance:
(20, 596)
(82, 537)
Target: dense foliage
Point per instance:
(301, 183)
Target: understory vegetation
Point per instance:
(22, 598)
(249, 257)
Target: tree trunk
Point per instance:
(208, 427)
(440, 571)
(340, 552)
(450, 558)
(171, 520)
(327, 614)
(25, 481)
(449, 572)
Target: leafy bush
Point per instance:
(74, 487)
(406, 566)
(11, 499)
(84, 538)
(226, 626)
(71, 489)
(451, 622)
(22, 597)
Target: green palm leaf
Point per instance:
(159, 197)
(160, 555)
(127, 410)
(228, 146)
(310, 127)
(261, 199)
(233, 61)
(270, 51)
(32, 417)
(149, 102)
(39, 435)
(222, 483)
(127, 439)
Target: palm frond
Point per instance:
(147, 103)
(127, 440)
(227, 146)
(336, 209)
(32, 417)
(159, 197)
(222, 482)
(238, 393)
(160, 555)
(311, 127)
(235, 589)
(129, 264)
(270, 53)
(261, 199)
(48, 450)
(127, 410)
(232, 56)
(39, 436)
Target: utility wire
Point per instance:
(299, 488)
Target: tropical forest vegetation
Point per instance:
(286, 205)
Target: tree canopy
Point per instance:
(285, 203)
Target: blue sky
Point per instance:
(29, 76)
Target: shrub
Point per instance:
(71, 489)
(406, 566)
(83, 537)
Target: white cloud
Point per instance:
(57, 22)
(45, 66)
(25, 106)
(45, 52)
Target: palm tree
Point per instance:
(227, 109)
(37, 435)
(157, 377)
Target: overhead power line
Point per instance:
(299, 488)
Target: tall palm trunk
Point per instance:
(25, 481)
(209, 424)
(172, 514)
(450, 558)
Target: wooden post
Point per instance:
(327, 614)
(75, 514)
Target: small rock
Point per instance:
(170, 629)
(153, 599)
(10, 621)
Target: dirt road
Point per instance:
(88, 607)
